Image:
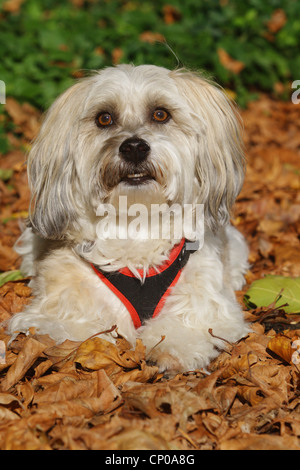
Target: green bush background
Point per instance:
(44, 44)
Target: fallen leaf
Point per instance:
(8, 258)
(151, 37)
(234, 66)
(286, 348)
(261, 442)
(10, 276)
(6, 398)
(117, 55)
(97, 353)
(277, 21)
(7, 415)
(25, 116)
(239, 365)
(285, 289)
(19, 436)
(171, 14)
(12, 6)
(26, 358)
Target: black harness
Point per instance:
(144, 300)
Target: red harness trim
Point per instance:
(133, 313)
(153, 271)
(166, 294)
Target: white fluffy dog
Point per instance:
(157, 137)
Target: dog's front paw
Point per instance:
(166, 363)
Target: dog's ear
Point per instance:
(51, 168)
(220, 162)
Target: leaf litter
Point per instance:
(99, 395)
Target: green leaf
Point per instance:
(264, 291)
(10, 276)
(5, 174)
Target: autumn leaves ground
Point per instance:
(94, 395)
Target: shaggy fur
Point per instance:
(195, 157)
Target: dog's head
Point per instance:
(146, 132)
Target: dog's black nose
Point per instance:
(134, 150)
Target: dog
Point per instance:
(155, 137)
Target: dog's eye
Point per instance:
(160, 115)
(104, 120)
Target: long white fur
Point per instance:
(196, 157)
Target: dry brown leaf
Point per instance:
(7, 415)
(61, 353)
(25, 391)
(22, 290)
(151, 37)
(25, 116)
(261, 442)
(272, 381)
(119, 434)
(121, 363)
(171, 14)
(10, 358)
(216, 425)
(225, 396)
(269, 226)
(70, 389)
(172, 399)
(8, 398)
(117, 55)
(42, 368)
(8, 258)
(97, 353)
(20, 437)
(229, 63)
(12, 6)
(277, 21)
(133, 439)
(143, 374)
(250, 394)
(66, 389)
(286, 348)
(239, 365)
(26, 358)
(83, 407)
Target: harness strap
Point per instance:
(145, 300)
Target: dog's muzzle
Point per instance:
(134, 153)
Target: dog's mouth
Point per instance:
(130, 175)
(134, 175)
(134, 179)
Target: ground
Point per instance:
(93, 395)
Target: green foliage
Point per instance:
(10, 276)
(44, 44)
(5, 174)
(285, 290)
(5, 127)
